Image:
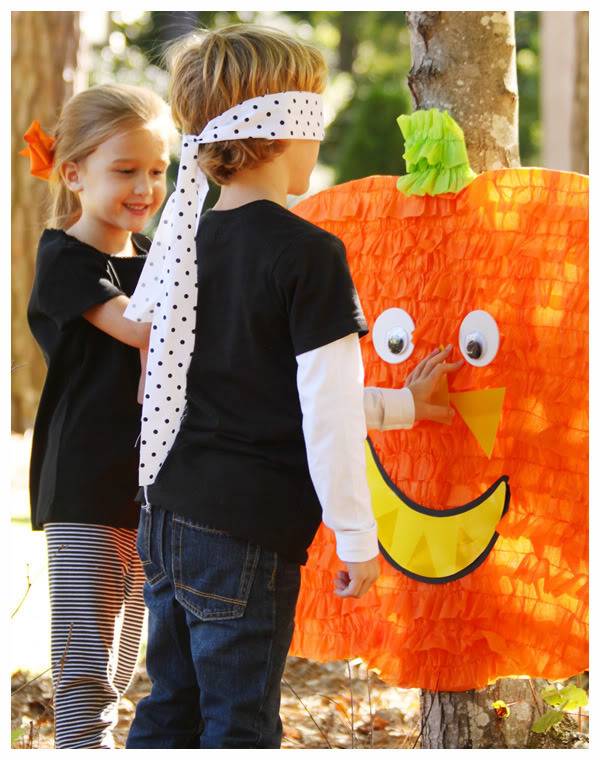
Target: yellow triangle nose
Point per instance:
(481, 411)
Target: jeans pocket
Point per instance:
(213, 571)
(149, 547)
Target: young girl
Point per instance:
(255, 325)
(106, 164)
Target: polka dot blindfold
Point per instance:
(166, 291)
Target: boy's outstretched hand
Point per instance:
(357, 579)
(423, 383)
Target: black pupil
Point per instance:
(474, 349)
(395, 344)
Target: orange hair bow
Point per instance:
(40, 150)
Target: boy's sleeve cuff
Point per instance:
(357, 546)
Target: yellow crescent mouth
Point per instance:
(433, 545)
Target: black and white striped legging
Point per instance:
(97, 606)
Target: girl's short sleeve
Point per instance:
(70, 280)
(315, 287)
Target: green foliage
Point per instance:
(569, 698)
(528, 77)
(564, 700)
(17, 733)
(364, 138)
(371, 49)
(548, 719)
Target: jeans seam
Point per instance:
(204, 615)
(160, 558)
(197, 526)
(160, 572)
(269, 659)
(148, 533)
(248, 572)
(239, 602)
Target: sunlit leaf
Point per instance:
(573, 697)
(548, 719)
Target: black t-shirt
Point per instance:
(270, 286)
(84, 457)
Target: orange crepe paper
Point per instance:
(513, 243)
(40, 151)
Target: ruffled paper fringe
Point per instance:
(514, 242)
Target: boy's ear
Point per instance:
(71, 175)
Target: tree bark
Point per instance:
(466, 720)
(44, 62)
(465, 63)
(580, 123)
(557, 84)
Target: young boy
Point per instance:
(253, 425)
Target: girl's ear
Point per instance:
(71, 174)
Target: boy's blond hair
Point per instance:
(212, 71)
(87, 120)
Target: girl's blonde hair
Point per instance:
(211, 71)
(87, 120)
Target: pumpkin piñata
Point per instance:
(482, 524)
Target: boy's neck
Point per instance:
(253, 185)
(111, 240)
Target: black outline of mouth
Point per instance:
(442, 513)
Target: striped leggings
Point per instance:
(97, 606)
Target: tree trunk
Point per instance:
(580, 124)
(44, 62)
(348, 24)
(467, 720)
(465, 63)
(557, 84)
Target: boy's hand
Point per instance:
(357, 579)
(423, 382)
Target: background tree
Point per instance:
(580, 119)
(44, 63)
(465, 63)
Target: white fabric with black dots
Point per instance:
(166, 292)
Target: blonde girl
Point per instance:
(106, 164)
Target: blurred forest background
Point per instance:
(369, 58)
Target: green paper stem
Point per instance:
(435, 153)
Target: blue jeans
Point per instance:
(220, 626)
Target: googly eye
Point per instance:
(392, 335)
(479, 338)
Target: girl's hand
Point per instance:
(423, 382)
(142, 383)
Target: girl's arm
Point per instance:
(400, 408)
(142, 383)
(109, 318)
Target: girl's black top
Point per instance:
(84, 459)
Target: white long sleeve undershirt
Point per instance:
(336, 410)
